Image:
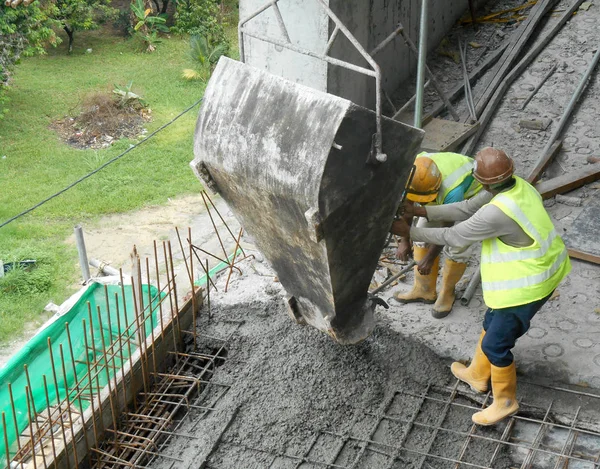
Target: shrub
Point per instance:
(199, 18)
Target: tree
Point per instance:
(80, 15)
(199, 18)
(24, 30)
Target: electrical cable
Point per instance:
(101, 167)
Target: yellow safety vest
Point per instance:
(513, 276)
(455, 168)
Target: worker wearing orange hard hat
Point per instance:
(523, 260)
(439, 178)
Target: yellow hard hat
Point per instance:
(426, 182)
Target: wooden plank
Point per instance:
(568, 182)
(490, 109)
(584, 256)
(517, 43)
(581, 238)
(445, 135)
(544, 162)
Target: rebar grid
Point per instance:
(75, 410)
(399, 454)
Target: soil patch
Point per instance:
(104, 118)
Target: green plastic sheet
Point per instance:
(36, 355)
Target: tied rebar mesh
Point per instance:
(433, 429)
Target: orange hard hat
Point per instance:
(492, 166)
(426, 181)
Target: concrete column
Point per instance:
(369, 21)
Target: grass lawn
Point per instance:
(35, 163)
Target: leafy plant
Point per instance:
(126, 96)
(205, 54)
(147, 25)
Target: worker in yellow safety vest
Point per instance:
(440, 178)
(523, 260)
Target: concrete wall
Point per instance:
(307, 27)
(369, 21)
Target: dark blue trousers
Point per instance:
(503, 327)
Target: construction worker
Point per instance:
(523, 260)
(440, 178)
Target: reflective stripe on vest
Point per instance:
(455, 168)
(513, 276)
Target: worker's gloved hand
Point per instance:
(401, 228)
(404, 250)
(425, 265)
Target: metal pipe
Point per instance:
(83, 260)
(303, 51)
(103, 267)
(409, 266)
(571, 105)
(421, 64)
(471, 287)
(387, 40)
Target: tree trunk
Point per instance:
(164, 6)
(69, 32)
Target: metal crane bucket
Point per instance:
(291, 163)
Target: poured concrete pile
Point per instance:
(289, 382)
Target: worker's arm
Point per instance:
(458, 211)
(488, 222)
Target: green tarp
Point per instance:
(36, 355)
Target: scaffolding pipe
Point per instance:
(83, 260)
(421, 65)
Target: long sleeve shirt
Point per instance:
(478, 221)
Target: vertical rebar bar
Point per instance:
(208, 290)
(93, 339)
(31, 438)
(113, 410)
(77, 390)
(162, 326)
(58, 399)
(123, 384)
(140, 342)
(131, 381)
(91, 386)
(170, 292)
(422, 62)
(194, 312)
(151, 312)
(50, 424)
(6, 447)
(69, 413)
(37, 426)
(14, 415)
(174, 286)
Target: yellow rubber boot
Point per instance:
(424, 288)
(452, 273)
(477, 374)
(504, 390)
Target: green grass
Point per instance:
(35, 163)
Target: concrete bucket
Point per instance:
(294, 166)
